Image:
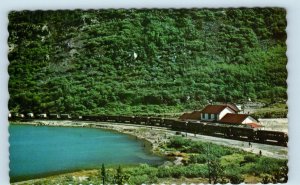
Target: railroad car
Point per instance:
(54, 116)
(89, 118)
(155, 121)
(141, 120)
(179, 125)
(65, 116)
(167, 122)
(126, 119)
(16, 116)
(111, 118)
(42, 116)
(29, 115)
(208, 129)
(195, 127)
(219, 131)
(269, 136)
(241, 133)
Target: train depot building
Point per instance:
(224, 114)
(215, 112)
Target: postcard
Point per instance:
(148, 96)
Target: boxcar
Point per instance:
(265, 135)
(65, 116)
(89, 118)
(102, 118)
(209, 129)
(141, 120)
(54, 116)
(29, 115)
(196, 128)
(179, 125)
(217, 130)
(241, 133)
(113, 118)
(126, 119)
(168, 122)
(155, 121)
(42, 116)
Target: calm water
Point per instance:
(38, 151)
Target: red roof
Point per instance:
(215, 109)
(185, 116)
(232, 106)
(254, 125)
(233, 118)
(196, 115)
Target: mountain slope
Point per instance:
(144, 61)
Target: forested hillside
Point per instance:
(145, 61)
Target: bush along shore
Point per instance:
(189, 161)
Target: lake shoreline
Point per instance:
(152, 137)
(151, 144)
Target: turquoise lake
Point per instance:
(40, 151)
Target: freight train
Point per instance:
(195, 127)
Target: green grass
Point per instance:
(278, 110)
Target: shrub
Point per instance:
(141, 179)
(190, 171)
(177, 172)
(266, 178)
(200, 158)
(190, 146)
(164, 171)
(219, 151)
(250, 158)
(267, 165)
(144, 169)
(234, 159)
(196, 170)
(197, 147)
(178, 142)
(235, 178)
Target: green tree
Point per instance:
(120, 178)
(103, 174)
(216, 171)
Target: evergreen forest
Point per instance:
(145, 61)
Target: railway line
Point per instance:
(193, 127)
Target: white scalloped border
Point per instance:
(293, 53)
